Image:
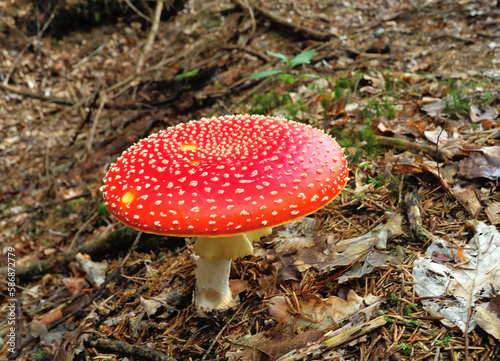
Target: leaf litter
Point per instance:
(468, 280)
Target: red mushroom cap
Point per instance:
(225, 176)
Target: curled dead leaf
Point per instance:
(489, 318)
(96, 271)
(317, 313)
(493, 212)
(51, 317)
(75, 284)
(487, 113)
(468, 199)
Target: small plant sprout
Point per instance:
(284, 74)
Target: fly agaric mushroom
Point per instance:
(227, 181)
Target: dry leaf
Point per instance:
(489, 318)
(453, 289)
(75, 284)
(493, 212)
(295, 235)
(488, 113)
(486, 165)
(39, 328)
(167, 298)
(51, 317)
(96, 271)
(349, 250)
(261, 347)
(468, 199)
(317, 313)
(150, 305)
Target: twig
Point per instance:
(248, 7)
(86, 119)
(95, 122)
(122, 304)
(217, 337)
(438, 154)
(81, 229)
(101, 288)
(248, 50)
(137, 11)
(151, 35)
(26, 47)
(106, 244)
(28, 93)
(90, 56)
(138, 352)
(293, 26)
(415, 218)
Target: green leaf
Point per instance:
(266, 73)
(186, 75)
(287, 78)
(303, 58)
(283, 57)
(102, 210)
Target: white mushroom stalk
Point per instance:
(212, 290)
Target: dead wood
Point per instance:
(35, 95)
(138, 352)
(107, 244)
(436, 153)
(282, 23)
(413, 211)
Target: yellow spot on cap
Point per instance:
(128, 197)
(189, 146)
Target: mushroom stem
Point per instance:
(212, 284)
(214, 265)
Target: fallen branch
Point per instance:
(302, 30)
(331, 341)
(29, 93)
(439, 154)
(110, 243)
(138, 352)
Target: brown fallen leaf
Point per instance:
(52, 316)
(489, 318)
(263, 347)
(493, 212)
(477, 165)
(38, 328)
(75, 284)
(150, 305)
(468, 199)
(317, 313)
(452, 291)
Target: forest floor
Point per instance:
(402, 265)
